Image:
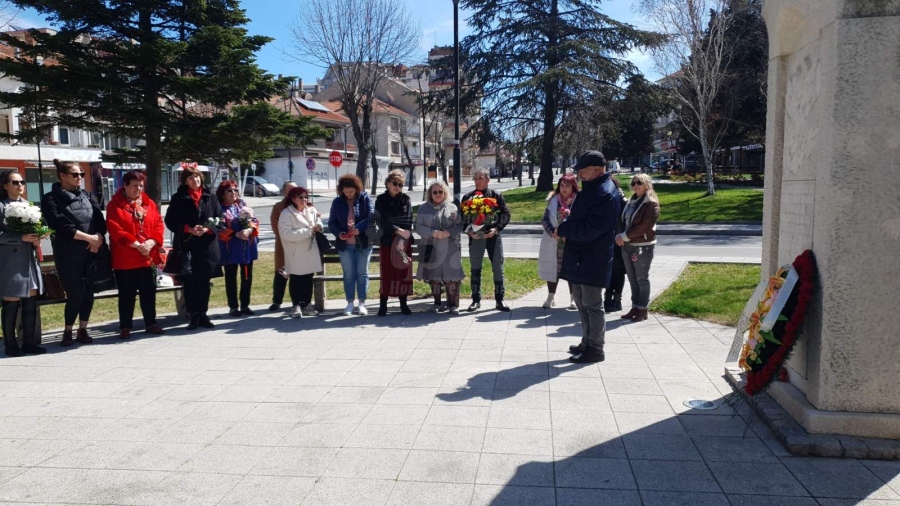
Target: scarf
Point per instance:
(195, 195)
(136, 208)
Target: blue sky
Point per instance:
(272, 18)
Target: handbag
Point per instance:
(178, 263)
(53, 287)
(98, 276)
(374, 230)
(322, 242)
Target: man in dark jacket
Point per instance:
(590, 232)
(487, 239)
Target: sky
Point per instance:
(274, 17)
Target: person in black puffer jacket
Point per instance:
(79, 230)
(188, 217)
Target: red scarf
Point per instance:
(195, 195)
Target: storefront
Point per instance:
(37, 168)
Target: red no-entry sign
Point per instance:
(335, 159)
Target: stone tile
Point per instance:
(154, 456)
(673, 476)
(519, 418)
(703, 425)
(770, 479)
(660, 447)
(494, 495)
(580, 401)
(463, 396)
(387, 414)
(221, 411)
(367, 463)
(224, 459)
(626, 371)
(518, 441)
(318, 435)
(353, 395)
(622, 403)
(269, 490)
(575, 384)
(594, 473)
(279, 412)
(568, 420)
(97, 486)
(407, 395)
(734, 449)
(432, 494)
(652, 498)
(255, 434)
(292, 461)
(587, 442)
(632, 386)
(440, 466)
(383, 436)
(418, 379)
(460, 416)
(770, 500)
(336, 414)
(587, 497)
(448, 438)
(193, 431)
(838, 478)
(301, 394)
(31, 452)
(649, 423)
(91, 455)
(507, 469)
(341, 491)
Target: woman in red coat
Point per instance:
(135, 237)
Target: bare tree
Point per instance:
(359, 40)
(8, 14)
(695, 61)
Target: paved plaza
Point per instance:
(427, 409)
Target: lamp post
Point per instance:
(290, 107)
(457, 172)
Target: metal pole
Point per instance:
(457, 172)
(40, 170)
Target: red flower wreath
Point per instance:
(805, 265)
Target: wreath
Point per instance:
(771, 337)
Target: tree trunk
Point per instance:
(153, 161)
(374, 174)
(707, 161)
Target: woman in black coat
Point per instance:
(193, 216)
(79, 230)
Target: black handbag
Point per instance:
(322, 242)
(99, 277)
(178, 263)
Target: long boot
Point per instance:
(382, 305)
(31, 338)
(616, 302)
(476, 290)
(404, 308)
(608, 301)
(499, 293)
(9, 315)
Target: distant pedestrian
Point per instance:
(587, 258)
(135, 238)
(612, 300)
(348, 220)
(238, 246)
(394, 211)
(637, 239)
(297, 226)
(280, 281)
(487, 239)
(439, 224)
(550, 254)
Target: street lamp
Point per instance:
(457, 172)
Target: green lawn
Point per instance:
(712, 292)
(678, 202)
(521, 278)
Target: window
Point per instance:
(63, 135)
(395, 148)
(427, 151)
(395, 124)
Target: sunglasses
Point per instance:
(637, 183)
(437, 192)
(398, 184)
(75, 174)
(17, 183)
(232, 190)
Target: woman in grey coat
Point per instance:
(22, 283)
(439, 224)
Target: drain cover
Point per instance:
(700, 404)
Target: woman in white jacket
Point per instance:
(297, 226)
(550, 253)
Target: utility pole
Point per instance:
(457, 162)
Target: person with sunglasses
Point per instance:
(439, 224)
(393, 209)
(22, 283)
(238, 246)
(637, 239)
(487, 239)
(79, 230)
(297, 226)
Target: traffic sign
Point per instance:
(310, 164)
(335, 159)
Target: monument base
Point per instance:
(805, 430)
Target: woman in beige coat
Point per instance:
(297, 227)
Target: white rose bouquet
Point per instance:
(26, 218)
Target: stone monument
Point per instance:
(832, 184)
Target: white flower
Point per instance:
(25, 212)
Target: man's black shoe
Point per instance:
(502, 307)
(474, 306)
(33, 349)
(205, 323)
(274, 307)
(577, 349)
(588, 357)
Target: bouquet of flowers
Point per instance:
(562, 214)
(246, 217)
(25, 218)
(480, 210)
(756, 342)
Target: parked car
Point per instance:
(259, 187)
(613, 167)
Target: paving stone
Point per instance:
(660, 447)
(838, 478)
(440, 466)
(768, 479)
(673, 476)
(575, 472)
(508, 495)
(341, 491)
(367, 463)
(518, 441)
(585, 497)
(654, 498)
(408, 493)
(383, 436)
(268, 490)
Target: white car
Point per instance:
(259, 187)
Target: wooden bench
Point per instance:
(331, 257)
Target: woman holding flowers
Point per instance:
(638, 222)
(80, 229)
(551, 249)
(297, 227)
(194, 217)
(238, 246)
(135, 237)
(439, 224)
(394, 211)
(348, 221)
(22, 283)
